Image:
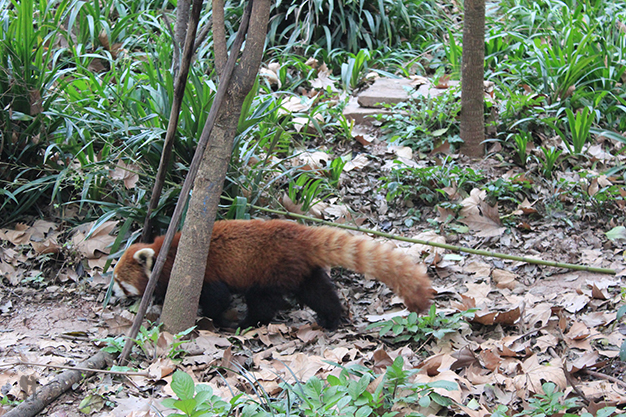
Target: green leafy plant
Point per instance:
(420, 328)
(426, 184)
(194, 400)
(549, 403)
(305, 191)
(147, 341)
(353, 71)
(550, 157)
(521, 141)
(579, 125)
(424, 123)
(351, 392)
(454, 51)
(352, 26)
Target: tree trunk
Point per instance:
(472, 75)
(183, 293)
(180, 32)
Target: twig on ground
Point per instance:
(75, 368)
(51, 391)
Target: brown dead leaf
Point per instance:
(578, 331)
(381, 360)
(485, 317)
(445, 214)
(295, 104)
(479, 293)
(359, 162)
(161, 368)
(481, 269)
(323, 81)
(490, 359)
(19, 236)
(471, 203)
(67, 274)
(538, 315)
(504, 279)
(417, 250)
(128, 173)
(573, 302)
(508, 317)
(401, 151)
(584, 361)
(98, 244)
(307, 334)
(525, 207)
(534, 374)
(484, 226)
(362, 135)
(598, 294)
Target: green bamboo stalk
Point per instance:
(443, 245)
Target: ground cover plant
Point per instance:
(86, 92)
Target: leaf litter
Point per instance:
(532, 324)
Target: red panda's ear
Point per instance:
(145, 257)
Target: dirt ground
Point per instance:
(534, 323)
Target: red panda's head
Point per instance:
(132, 271)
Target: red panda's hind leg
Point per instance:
(263, 303)
(215, 299)
(318, 292)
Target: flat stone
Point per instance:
(386, 91)
(398, 90)
(361, 115)
(371, 101)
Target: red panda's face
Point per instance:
(133, 270)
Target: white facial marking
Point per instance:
(130, 289)
(117, 290)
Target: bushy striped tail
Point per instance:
(334, 247)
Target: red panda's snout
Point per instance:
(132, 272)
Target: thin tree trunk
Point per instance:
(179, 92)
(190, 264)
(472, 76)
(171, 230)
(180, 31)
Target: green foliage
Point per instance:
(426, 184)
(194, 400)
(354, 70)
(513, 189)
(310, 187)
(521, 141)
(503, 411)
(424, 123)
(420, 328)
(29, 78)
(550, 158)
(549, 403)
(352, 25)
(147, 341)
(454, 52)
(579, 126)
(351, 392)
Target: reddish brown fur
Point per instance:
(282, 254)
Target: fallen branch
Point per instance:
(604, 376)
(441, 245)
(51, 391)
(76, 368)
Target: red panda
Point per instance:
(266, 260)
